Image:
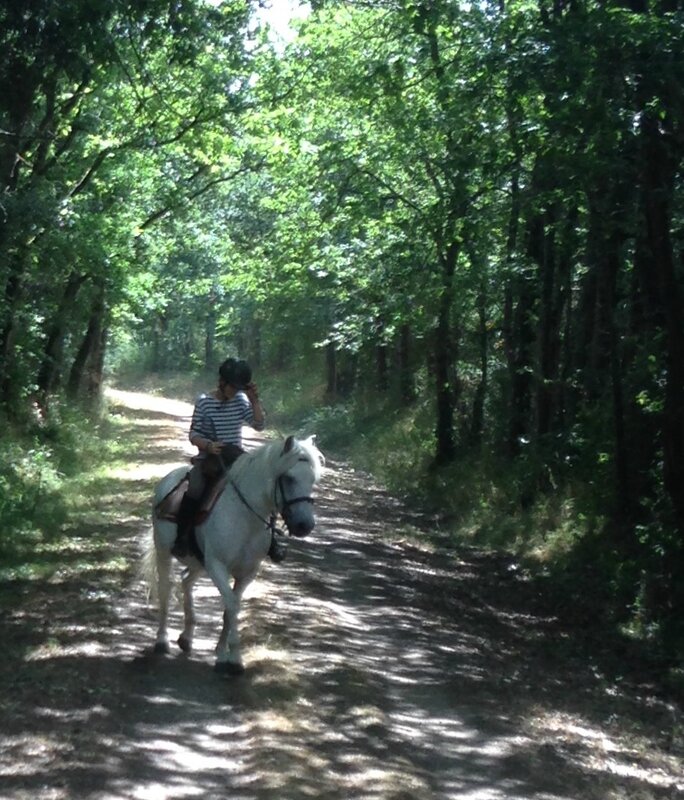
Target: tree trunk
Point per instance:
(90, 350)
(477, 423)
(13, 295)
(512, 290)
(445, 451)
(595, 309)
(94, 373)
(381, 368)
(210, 359)
(49, 372)
(542, 250)
(660, 165)
(331, 371)
(598, 350)
(407, 389)
(523, 303)
(255, 344)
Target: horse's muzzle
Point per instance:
(299, 523)
(301, 528)
(298, 515)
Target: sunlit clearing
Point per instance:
(145, 402)
(142, 471)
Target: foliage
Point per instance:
(455, 226)
(42, 477)
(29, 481)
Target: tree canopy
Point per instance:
(479, 206)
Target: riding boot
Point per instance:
(185, 523)
(278, 550)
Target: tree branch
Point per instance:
(193, 195)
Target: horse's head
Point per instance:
(300, 468)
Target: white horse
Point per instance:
(277, 477)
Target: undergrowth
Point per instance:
(552, 519)
(47, 464)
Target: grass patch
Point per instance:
(53, 508)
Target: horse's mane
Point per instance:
(260, 459)
(266, 458)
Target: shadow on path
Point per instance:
(376, 669)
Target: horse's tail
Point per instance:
(148, 572)
(147, 568)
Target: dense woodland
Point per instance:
(471, 213)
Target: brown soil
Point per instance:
(376, 668)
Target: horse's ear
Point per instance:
(289, 444)
(312, 442)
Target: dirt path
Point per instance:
(374, 670)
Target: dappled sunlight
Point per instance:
(598, 751)
(376, 668)
(139, 401)
(142, 472)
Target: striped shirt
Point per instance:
(222, 422)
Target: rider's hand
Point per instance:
(252, 393)
(214, 448)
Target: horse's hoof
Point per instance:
(161, 649)
(184, 643)
(228, 668)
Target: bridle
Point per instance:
(288, 501)
(282, 508)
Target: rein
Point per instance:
(270, 524)
(287, 502)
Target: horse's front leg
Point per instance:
(222, 643)
(188, 581)
(228, 655)
(229, 640)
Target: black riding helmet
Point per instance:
(236, 373)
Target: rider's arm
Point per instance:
(200, 442)
(199, 427)
(203, 443)
(258, 419)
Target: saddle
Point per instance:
(167, 507)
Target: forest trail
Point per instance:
(376, 669)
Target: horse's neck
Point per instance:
(254, 481)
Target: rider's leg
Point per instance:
(188, 509)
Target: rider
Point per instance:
(216, 431)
